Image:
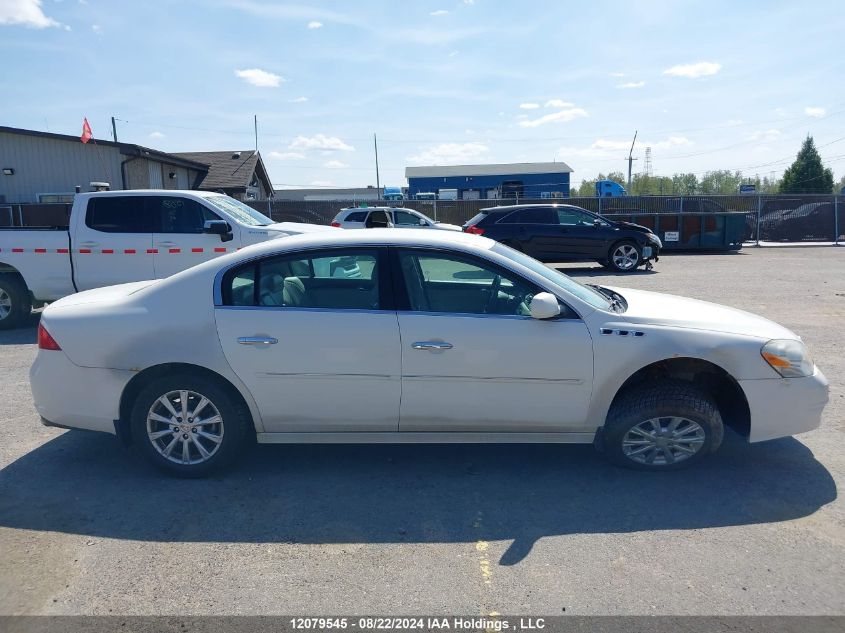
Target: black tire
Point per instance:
(663, 400)
(235, 431)
(624, 244)
(13, 290)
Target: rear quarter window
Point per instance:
(357, 216)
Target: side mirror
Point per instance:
(544, 305)
(423, 222)
(596, 223)
(218, 227)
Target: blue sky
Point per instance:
(709, 85)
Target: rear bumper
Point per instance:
(781, 407)
(69, 396)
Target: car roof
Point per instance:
(514, 207)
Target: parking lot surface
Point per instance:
(86, 527)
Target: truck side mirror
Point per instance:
(218, 227)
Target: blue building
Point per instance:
(473, 182)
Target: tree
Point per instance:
(807, 174)
(840, 186)
(721, 181)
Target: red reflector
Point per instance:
(45, 341)
(474, 230)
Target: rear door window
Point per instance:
(119, 214)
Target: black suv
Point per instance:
(560, 232)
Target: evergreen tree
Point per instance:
(807, 174)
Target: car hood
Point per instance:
(100, 295)
(655, 308)
(442, 226)
(296, 228)
(633, 227)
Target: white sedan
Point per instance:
(412, 336)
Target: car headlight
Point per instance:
(787, 357)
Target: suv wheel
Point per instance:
(662, 427)
(625, 256)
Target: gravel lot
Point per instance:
(87, 528)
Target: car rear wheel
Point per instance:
(15, 304)
(189, 426)
(662, 427)
(624, 257)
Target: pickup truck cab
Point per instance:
(116, 237)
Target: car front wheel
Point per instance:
(662, 427)
(188, 425)
(624, 257)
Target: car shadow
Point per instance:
(593, 271)
(86, 483)
(26, 333)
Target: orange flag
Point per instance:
(87, 135)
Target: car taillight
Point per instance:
(46, 341)
(336, 224)
(474, 230)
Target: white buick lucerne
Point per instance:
(412, 336)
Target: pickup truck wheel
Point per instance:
(662, 427)
(15, 304)
(189, 426)
(624, 257)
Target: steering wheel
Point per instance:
(494, 294)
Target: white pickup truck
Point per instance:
(116, 237)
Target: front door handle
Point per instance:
(431, 345)
(257, 340)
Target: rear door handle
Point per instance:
(257, 340)
(165, 243)
(431, 345)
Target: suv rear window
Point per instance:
(477, 218)
(531, 216)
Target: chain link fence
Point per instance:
(699, 220)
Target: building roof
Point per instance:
(229, 170)
(129, 149)
(500, 169)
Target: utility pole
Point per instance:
(378, 183)
(255, 120)
(114, 129)
(631, 160)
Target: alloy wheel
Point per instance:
(663, 441)
(625, 257)
(185, 427)
(5, 304)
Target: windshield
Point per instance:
(585, 293)
(239, 211)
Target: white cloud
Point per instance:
(97, 29)
(557, 103)
(617, 75)
(298, 100)
(562, 116)
(26, 13)
(335, 164)
(814, 112)
(313, 24)
(631, 84)
(529, 106)
(692, 71)
(765, 135)
(260, 78)
(453, 53)
(156, 135)
(449, 153)
(322, 183)
(285, 155)
(439, 12)
(606, 148)
(320, 141)
(469, 1)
